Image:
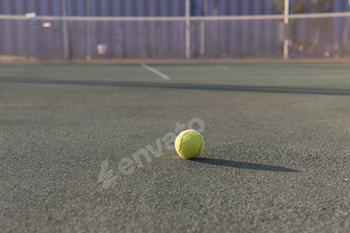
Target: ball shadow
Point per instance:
(244, 165)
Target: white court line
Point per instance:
(155, 71)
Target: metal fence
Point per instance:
(57, 38)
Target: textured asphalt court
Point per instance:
(276, 156)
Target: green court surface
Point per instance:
(280, 74)
(276, 155)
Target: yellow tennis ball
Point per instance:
(189, 144)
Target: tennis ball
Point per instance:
(189, 144)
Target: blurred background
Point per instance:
(32, 30)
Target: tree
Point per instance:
(321, 6)
(318, 25)
(296, 7)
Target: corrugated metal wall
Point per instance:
(147, 7)
(97, 7)
(152, 39)
(135, 7)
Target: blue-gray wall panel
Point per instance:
(230, 38)
(155, 8)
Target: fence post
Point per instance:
(65, 31)
(205, 11)
(88, 32)
(188, 31)
(286, 21)
(345, 40)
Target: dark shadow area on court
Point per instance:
(245, 165)
(190, 86)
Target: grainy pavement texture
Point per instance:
(88, 147)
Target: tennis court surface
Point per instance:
(276, 155)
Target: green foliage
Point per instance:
(300, 6)
(279, 6)
(323, 5)
(297, 7)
